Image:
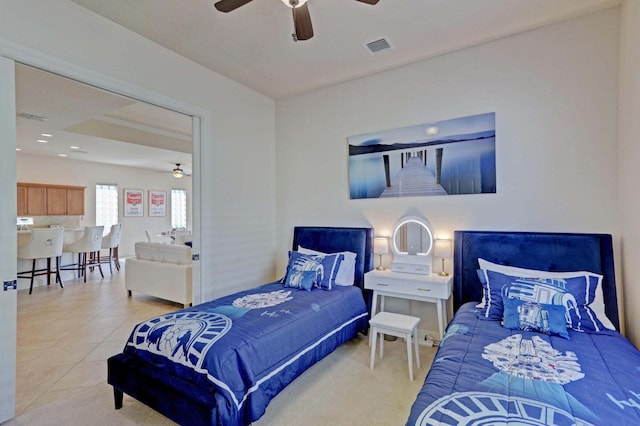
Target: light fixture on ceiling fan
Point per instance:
(299, 8)
(178, 172)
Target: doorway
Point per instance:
(72, 133)
(201, 131)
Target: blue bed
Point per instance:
(487, 373)
(222, 362)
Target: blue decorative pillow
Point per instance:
(574, 294)
(300, 279)
(330, 263)
(302, 271)
(594, 309)
(538, 317)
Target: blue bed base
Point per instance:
(186, 403)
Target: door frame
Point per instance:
(202, 149)
(201, 134)
(8, 236)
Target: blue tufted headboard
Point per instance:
(332, 240)
(558, 252)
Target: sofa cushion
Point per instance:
(166, 253)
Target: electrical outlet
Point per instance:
(426, 338)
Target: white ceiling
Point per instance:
(90, 124)
(253, 44)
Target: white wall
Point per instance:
(629, 160)
(554, 92)
(58, 171)
(238, 173)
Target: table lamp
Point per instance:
(442, 249)
(380, 247)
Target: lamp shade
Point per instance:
(380, 245)
(442, 249)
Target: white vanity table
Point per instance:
(410, 276)
(426, 288)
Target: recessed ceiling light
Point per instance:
(18, 149)
(46, 135)
(74, 147)
(62, 155)
(42, 141)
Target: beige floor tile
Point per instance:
(104, 350)
(83, 374)
(66, 335)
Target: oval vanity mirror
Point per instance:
(411, 242)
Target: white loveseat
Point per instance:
(160, 270)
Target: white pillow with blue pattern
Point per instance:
(575, 294)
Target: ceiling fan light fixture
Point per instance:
(178, 172)
(294, 3)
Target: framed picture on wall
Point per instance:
(133, 202)
(157, 203)
(448, 157)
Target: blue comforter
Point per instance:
(486, 374)
(246, 347)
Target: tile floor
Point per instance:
(66, 335)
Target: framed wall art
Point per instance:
(157, 203)
(133, 202)
(449, 157)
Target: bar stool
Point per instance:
(44, 244)
(90, 243)
(395, 325)
(111, 241)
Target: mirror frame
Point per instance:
(415, 219)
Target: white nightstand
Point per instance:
(426, 288)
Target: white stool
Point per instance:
(110, 242)
(399, 326)
(91, 242)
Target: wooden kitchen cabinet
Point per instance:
(36, 201)
(75, 201)
(56, 201)
(50, 200)
(22, 200)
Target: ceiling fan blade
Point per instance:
(369, 1)
(229, 5)
(302, 22)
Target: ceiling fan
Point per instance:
(178, 172)
(301, 17)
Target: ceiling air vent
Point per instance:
(378, 46)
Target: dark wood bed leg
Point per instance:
(117, 398)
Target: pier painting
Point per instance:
(449, 157)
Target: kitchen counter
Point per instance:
(71, 235)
